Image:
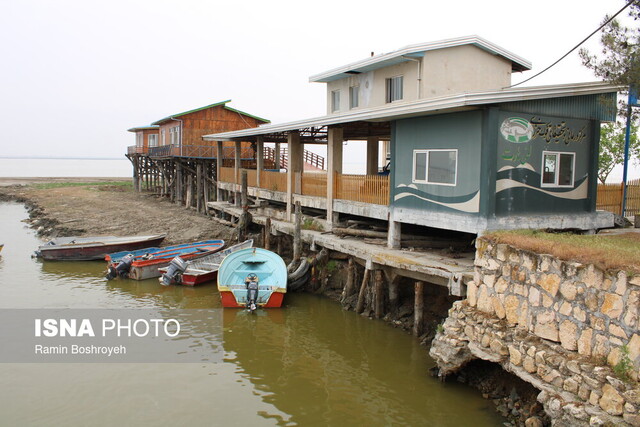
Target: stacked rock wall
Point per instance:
(561, 326)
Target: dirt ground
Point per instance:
(95, 209)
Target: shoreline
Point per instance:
(24, 181)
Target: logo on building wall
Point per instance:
(516, 129)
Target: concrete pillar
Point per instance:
(276, 155)
(236, 173)
(334, 166)
(219, 159)
(394, 233)
(294, 168)
(372, 155)
(259, 159)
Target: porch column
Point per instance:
(236, 172)
(372, 155)
(334, 166)
(294, 168)
(259, 159)
(276, 155)
(219, 159)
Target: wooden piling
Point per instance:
(199, 188)
(349, 284)
(418, 309)
(363, 288)
(267, 234)
(379, 293)
(297, 234)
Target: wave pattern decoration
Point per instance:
(472, 205)
(580, 192)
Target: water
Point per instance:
(310, 363)
(27, 168)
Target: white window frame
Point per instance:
(354, 90)
(152, 140)
(335, 101)
(164, 136)
(426, 180)
(556, 179)
(139, 140)
(389, 93)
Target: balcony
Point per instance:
(368, 189)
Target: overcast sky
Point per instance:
(76, 74)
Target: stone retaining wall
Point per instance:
(558, 325)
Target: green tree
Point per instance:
(619, 60)
(612, 148)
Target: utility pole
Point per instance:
(631, 102)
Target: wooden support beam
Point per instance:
(363, 288)
(350, 283)
(297, 234)
(267, 234)
(379, 293)
(418, 309)
(199, 187)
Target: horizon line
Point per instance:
(60, 158)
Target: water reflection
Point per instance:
(323, 365)
(308, 363)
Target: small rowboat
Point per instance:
(144, 263)
(199, 270)
(94, 247)
(252, 278)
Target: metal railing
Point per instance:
(134, 149)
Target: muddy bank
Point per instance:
(99, 209)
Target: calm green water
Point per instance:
(309, 363)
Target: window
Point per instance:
(174, 135)
(153, 140)
(335, 101)
(164, 137)
(394, 89)
(138, 139)
(435, 166)
(353, 96)
(558, 169)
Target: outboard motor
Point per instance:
(176, 267)
(252, 292)
(121, 269)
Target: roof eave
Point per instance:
(517, 63)
(425, 106)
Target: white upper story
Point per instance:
(427, 70)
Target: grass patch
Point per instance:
(617, 252)
(47, 186)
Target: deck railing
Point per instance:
(227, 175)
(372, 189)
(610, 198)
(134, 149)
(314, 184)
(274, 181)
(174, 150)
(308, 157)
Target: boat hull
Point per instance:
(228, 300)
(95, 250)
(147, 262)
(239, 266)
(205, 269)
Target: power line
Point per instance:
(576, 46)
